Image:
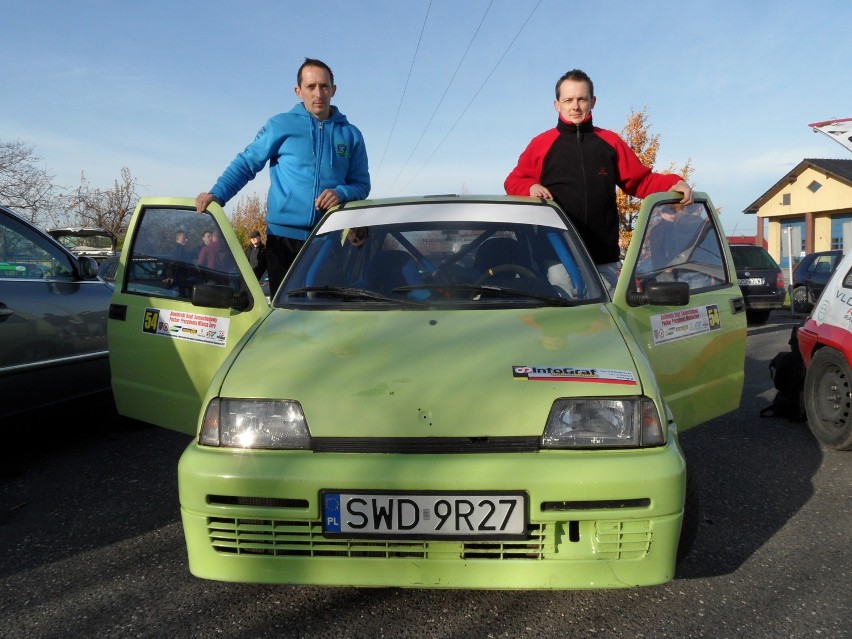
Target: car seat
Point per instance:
(498, 251)
(389, 269)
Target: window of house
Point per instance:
(814, 186)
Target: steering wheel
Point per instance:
(517, 269)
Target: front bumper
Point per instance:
(597, 519)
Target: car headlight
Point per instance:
(255, 423)
(629, 422)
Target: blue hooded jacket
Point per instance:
(306, 156)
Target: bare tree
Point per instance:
(108, 209)
(24, 186)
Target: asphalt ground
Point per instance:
(92, 544)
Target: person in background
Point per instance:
(181, 240)
(316, 158)
(214, 255)
(579, 166)
(256, 254)
(179, 256)
(206, 238)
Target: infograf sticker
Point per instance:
(573, 374)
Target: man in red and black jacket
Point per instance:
(579, 165)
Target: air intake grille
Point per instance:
(622, 539)
(299, 538)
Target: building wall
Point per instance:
(822, 232)
(796, 204)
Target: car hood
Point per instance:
(432, 373)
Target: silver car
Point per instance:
(53, 319)
(92, 242)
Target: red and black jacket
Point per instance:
(581, 165)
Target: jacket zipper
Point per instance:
(582, 159)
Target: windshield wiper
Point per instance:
(353, 293)
(488, 288)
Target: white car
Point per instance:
(97, 243)
(825, 342)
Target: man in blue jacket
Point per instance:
(317, 159)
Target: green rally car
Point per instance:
(442, 393)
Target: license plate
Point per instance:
(751, 281)
(491, 516)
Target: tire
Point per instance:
(691, 519)
(802, 300)
(828, 399)
(757, 317)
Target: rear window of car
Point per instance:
(752, 257)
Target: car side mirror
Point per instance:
(219, 296)
(88, 267)
(660, 294)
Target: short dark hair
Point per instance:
(576, 75)
(313, 62)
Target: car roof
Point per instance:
(440, 198)
(14, 213)
(746, 247)
(435, 208)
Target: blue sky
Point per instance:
(446, 103)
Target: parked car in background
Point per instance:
(108, 268)
(441, 394)
(761, 281)
(96, 243)
(53, 320)
(810, 277)
(825, 342)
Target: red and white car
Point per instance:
(825, 341)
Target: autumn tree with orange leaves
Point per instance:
(637, 134)
(249, 214)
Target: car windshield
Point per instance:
(419, 256)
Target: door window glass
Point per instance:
(24, 254)
(175, 249)
(681, 245)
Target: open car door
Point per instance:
(697, 351)
(164, 350)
